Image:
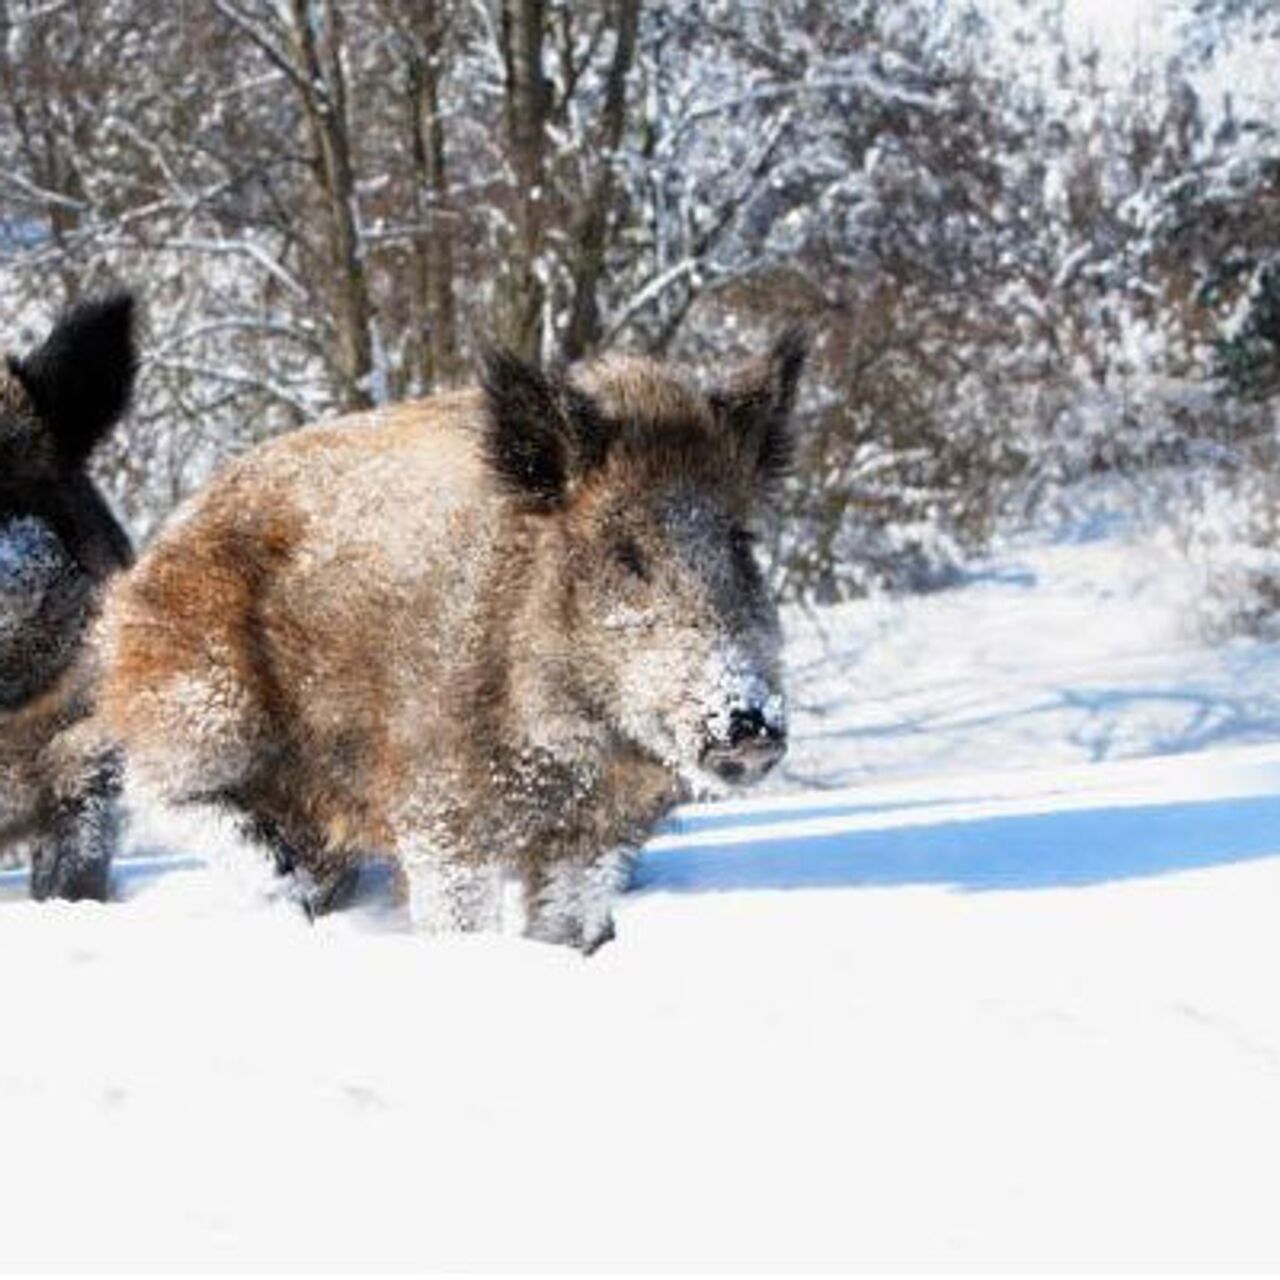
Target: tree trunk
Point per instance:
(433, 303)
(317, 38)
(591, 228)
(527, 108)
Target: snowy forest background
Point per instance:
(1026, 261)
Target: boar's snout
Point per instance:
(754, 740)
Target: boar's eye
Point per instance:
(742, 542)
(629, 556)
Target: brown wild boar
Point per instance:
(495, 633)
(58, 545)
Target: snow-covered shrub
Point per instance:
(1019, 269)
(1229, 526)
(1249, 352)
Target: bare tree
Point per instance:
(305, 40)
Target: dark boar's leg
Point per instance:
(328, 887)
(320, 884)
(266, 833)
(72, 856)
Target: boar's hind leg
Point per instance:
(570, 902)
(328, 886)
(266, 834)
(450, 895)
(71, 856)
(320, 884)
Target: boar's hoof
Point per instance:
(572, 933)
(592, 944)
(328, 890)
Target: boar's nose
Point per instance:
(755, 744)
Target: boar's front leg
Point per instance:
(79, 831)
(452, 895)
(569, 901)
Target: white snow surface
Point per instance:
(987, 978)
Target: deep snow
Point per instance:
(988, 977)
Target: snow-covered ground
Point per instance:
(1064, 653)
(988, 977)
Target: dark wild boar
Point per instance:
(59, 543)
(493, 634)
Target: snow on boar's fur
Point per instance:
(495, 633)
(58, 545)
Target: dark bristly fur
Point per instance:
(542, 429)
(497, 633)
(59, 543)
(760, 407)
(81, 378)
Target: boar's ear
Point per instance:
(543, 433)
(80, 378)
(755, 405)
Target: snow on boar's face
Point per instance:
(58, 539)
(644, 493)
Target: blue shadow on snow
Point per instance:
(1022, 851)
